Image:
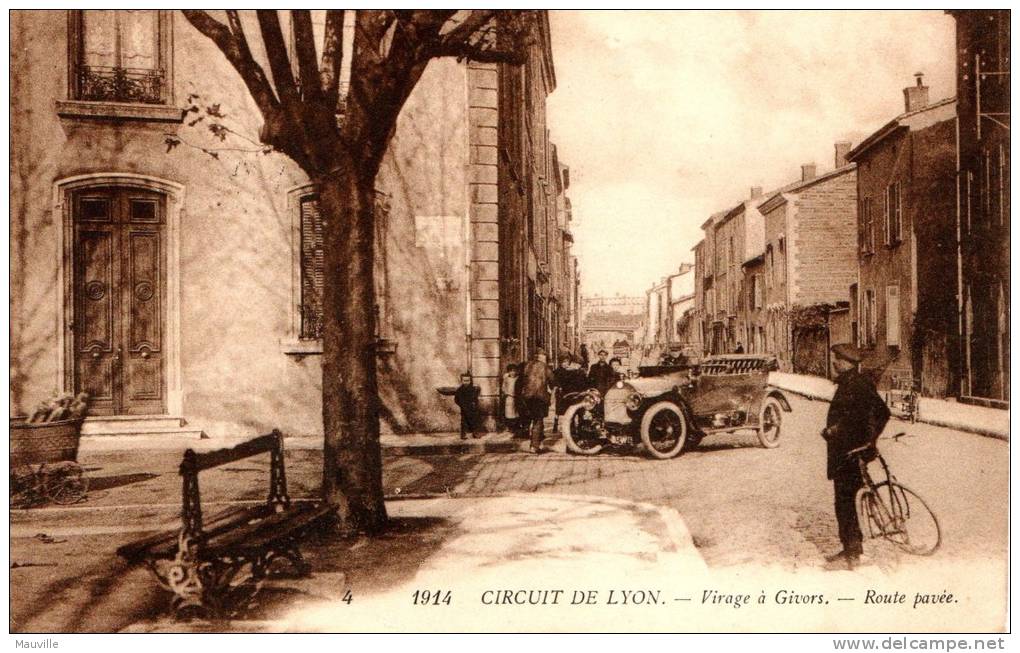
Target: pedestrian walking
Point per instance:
(533, 397)
(466, 398)
(856, 418)
(509, 387)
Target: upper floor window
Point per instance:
(893, 215)
(120, 56)
(867, 225)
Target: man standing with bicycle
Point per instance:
(856, 418)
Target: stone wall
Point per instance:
(823, 241)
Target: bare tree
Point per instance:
(390, 52)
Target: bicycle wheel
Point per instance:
(898, 514)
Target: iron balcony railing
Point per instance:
(114, 84)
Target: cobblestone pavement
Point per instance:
(746, 504)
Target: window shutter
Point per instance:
(887, 217)
(312, 271)
(892, 316)
(898, 224)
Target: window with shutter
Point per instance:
(867, 221)
(868, 318)
(892, 316)
(311, 269)
(893, 215)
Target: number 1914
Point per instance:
(432, 597)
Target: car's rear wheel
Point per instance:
(579, 433)
(771, 423)
(664, 430)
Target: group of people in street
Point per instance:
(856, 417)
(529, 390)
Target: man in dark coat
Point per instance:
(568, 378)
(856, 418)
(601, 375)
(533, 397)
(466, 398)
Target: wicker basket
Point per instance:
(46, 442)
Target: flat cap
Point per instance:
(847, 352)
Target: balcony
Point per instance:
(112, 84)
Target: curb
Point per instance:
(511, 446)
(966, 428)
(479, 446)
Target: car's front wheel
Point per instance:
(579, 433)
(771, 423)
(664, 430)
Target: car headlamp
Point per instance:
(634, 401)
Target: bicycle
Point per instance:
(903, 398)
(893, 511)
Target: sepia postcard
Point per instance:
(502, 321)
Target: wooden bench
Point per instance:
(214, 565)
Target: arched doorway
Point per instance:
(118, 292)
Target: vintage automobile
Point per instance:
(670, 408)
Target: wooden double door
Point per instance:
(119, 295)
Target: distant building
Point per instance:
(983, 217)
(607, 320)
(797, 291)
(736, 236)
(903, 308)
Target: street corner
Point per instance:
(547, 531)
(533, 551)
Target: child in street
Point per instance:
(466, 399)
(510, 417)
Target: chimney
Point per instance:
(755, 192)
(842, 149)
(807, 172)
(685, 268)
(916, 97)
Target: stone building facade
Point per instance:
(530, 205)
(983, 108)
(179, 287)
(808, 263)
(904, 303)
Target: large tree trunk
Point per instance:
(352, 465)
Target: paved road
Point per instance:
(744, 505)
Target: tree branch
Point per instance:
(234, 46)
(480, 37)
(276, 50)
(304, 44)
(462, 32)
(332, 55)
(483, 54)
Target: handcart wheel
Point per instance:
(66, 483)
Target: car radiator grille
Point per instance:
(616, 411)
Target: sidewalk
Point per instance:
(392, 444)
(991, 422)
(70, 581)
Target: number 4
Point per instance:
(347, 597)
